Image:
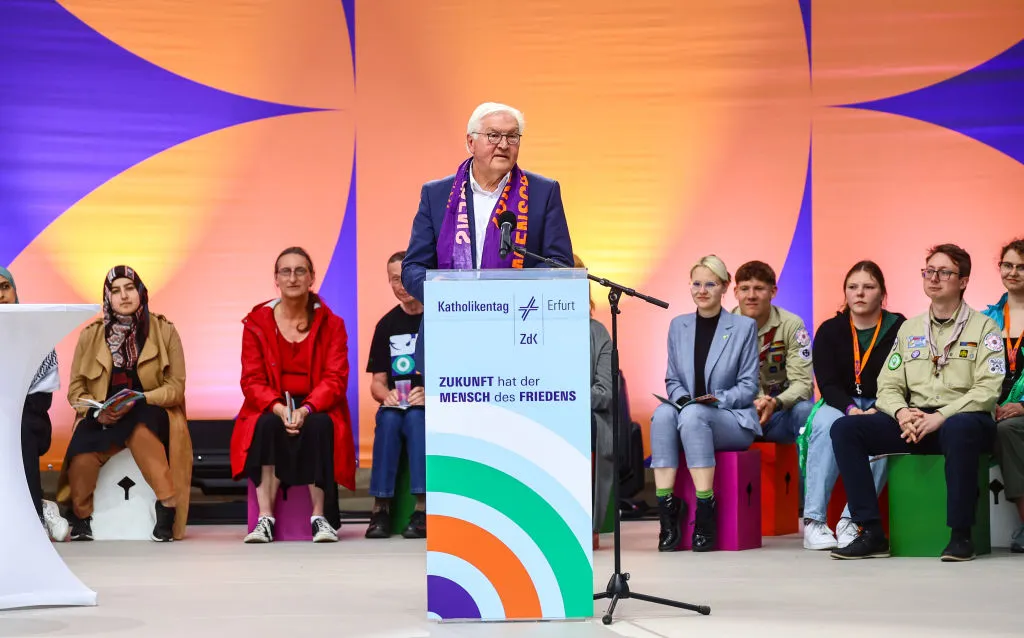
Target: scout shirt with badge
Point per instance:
(784, 353)
(931, 369)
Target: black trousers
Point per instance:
(962, 439)
(36, 432)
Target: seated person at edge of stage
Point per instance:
(36, 429)
(456, 227)
(294, 427)
(600, 415)
(1008, 314)
(711, 383)
(849, 352)
(400, 417)
(129, 348)
(784, 352)
(936, 395)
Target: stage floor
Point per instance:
(214, 585)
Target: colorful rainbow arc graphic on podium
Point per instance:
(509, 518)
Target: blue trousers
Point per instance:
(394, 427)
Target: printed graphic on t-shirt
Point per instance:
(403, 350)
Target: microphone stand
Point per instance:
(618, 587)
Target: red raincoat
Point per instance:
(261, 383)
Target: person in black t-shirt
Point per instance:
(392, 360)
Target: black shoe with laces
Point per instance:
(959, 550)
(163, 531)
(671, 512)
(866, 545)
(417, 527)
(380, 524)
(705, 528)
(81, 528)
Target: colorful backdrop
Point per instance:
(194, 140)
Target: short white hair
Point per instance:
(717, 267)
(490, 108)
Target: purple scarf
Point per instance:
(454, 247)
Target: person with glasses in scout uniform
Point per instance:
(1008, 314)
(784, 355)
(936, 395)
(850, 350)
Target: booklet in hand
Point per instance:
(683, 401)
(123, 399)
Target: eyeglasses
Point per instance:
(1006, 268)
(495, 138)
(286, 273)
(943, 274)
(707, 285)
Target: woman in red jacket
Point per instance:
(294, 427)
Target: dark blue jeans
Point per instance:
(962, 439)
(394, 427)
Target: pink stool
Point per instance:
(738, 495)
(291, 516)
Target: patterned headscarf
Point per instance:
(49, 365)
(125, 334)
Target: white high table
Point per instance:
(32, 573)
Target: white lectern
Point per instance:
(32, 573)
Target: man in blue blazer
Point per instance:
(456, 226)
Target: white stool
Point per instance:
(123, 504)
(1002, 515)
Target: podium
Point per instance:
(32, 573)
(508, 442)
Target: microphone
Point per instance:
(506, 221)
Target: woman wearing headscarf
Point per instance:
(36, 429)
(129, 348)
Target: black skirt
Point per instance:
(93, 436)
(306, 458)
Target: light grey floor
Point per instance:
(213, 585)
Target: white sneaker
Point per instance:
(322, 531)
(846, 532)
(56, 526)
(263, 532)
(817, 536)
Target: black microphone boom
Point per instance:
(506, 222)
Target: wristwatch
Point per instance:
(778, 404)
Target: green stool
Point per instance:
(403, 503)
(917, 506)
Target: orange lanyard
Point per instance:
(1011, 353)
(856, 349)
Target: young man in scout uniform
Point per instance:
(936, 395)
(784, 344)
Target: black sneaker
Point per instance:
(163, 531)
(417, 527)
(263, 532)
(959, 550)
(380, 524)
(322, 531)
(705, 527)
(671, 514)
(81, 528)
(866, 545)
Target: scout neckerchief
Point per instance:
(941, 360)
(767, 343)
(867, 353)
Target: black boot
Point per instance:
(163, 531)
(672, 512)
(705, 529)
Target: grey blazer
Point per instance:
(731, 371)
(601, 413)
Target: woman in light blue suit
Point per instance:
(711, 382)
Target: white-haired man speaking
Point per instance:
(456, 225)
